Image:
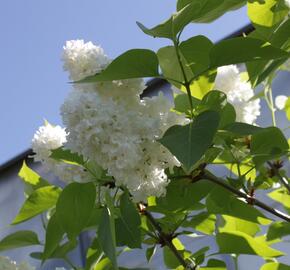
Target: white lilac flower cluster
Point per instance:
(47, 138)
(7, 264)
(239, 93)
(110, 125)
(287, 3)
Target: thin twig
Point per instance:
(166, 241)
(186, 82)
(210, 177)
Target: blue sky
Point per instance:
(33, 84)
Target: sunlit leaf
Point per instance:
(42, 199)
(241, 243)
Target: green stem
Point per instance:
(236, 261)
(186, 82)
(270, 103)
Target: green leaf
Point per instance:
(95, 218)
(239, 224)
(150, 252)
(39, 201)
(19, 239)
(213, 101)
(188, 11)
(278, 229)
(171, 221)
(268, 144)
(94, 254)
(228, 115)
(275, 266)
(79, 199)
(62, 250)
(199, 255)
(170, 67)
(267, 13)
(31, 179)
(287, 108)
(67, 156)
(280, 38)
(182, 105)
(203, 222)
(183, 194)
(214, 264)
(170, 259)
(241, 243)
(202, 84)
(242, 129)
(259, 70)
(196, 53)
(243, 49)
(281, 196)
(106, 235)
(215, 11)
(189, 143)
(128, 230)
(221, 201)
(195, 60)
(195, 57)
(136, 63)
(53, 237)
(104, 264)
(176, 23)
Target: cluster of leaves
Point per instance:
(197, 203)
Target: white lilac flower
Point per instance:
(47, 138)
(83, 59)
(280, 102)
(239, 93)
(7, 264)
(287, 3)
(122, 138)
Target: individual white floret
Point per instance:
(47, 138)
(280, 102)
(83, 59)
(239, 93)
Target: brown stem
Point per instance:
(166, 241)
(210, 177)
(281, 178)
